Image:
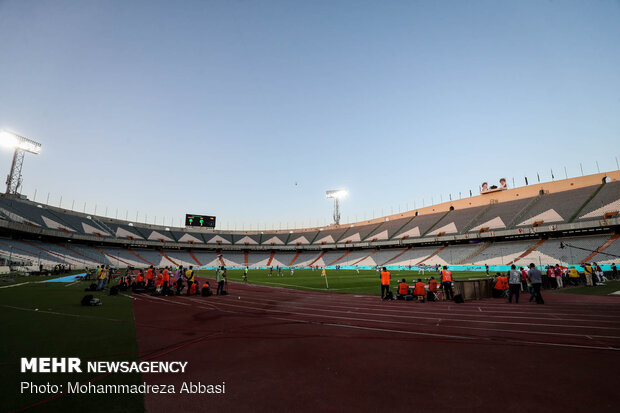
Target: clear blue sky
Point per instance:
(219, 107)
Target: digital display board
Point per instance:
(192, 220)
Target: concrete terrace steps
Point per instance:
(483, 247)
(528, 251)
(475, 220)
(435, 224)
(587, 201)
(602, 248)
(443, 247)
(524, 211)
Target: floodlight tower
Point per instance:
(337, 195)
(21, 146)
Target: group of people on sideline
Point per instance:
(418, 289)
(522, 279)
(160, 281)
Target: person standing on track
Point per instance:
(189, 277)
(101, 276)
(221, 276)
(535, 278)
(166, 281)
(558, 276)
(385, 283)
(446, 283)
(514, 284)
(150, 278)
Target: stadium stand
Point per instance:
(556, 207)
(477, 230)
(607, 200)
(260, 259)
(501, 253)
(550, 252)
(454, 254)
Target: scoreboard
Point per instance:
(192, 220)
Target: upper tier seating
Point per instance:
(556, 207)
(607, 200)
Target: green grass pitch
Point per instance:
(343, 281)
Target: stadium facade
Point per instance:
(521, 225)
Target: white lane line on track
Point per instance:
(508, 340)
(411, 324)
(16, 285)
(57, 313)
(569, 309)
(419, 310)
(320, 294)
(455, 319)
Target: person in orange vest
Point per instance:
(446, 283)
(166, 280)
(432, 289)
(501, 284)
(385, 284)
(193, 290)
(403, 290)
(150, 277)
(419, 290)
(140, 279)
(206, 289)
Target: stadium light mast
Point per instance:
(21, 146)
(337, 195)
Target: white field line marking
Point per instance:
(424, 325)
(57, 313)
(16, 285)
(72, 283)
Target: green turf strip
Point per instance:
(343, 281)
(63, 328)
(608, 288)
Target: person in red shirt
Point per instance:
(432, 289)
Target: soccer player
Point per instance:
(357, 269)
(245, 275)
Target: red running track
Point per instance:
(286, 350)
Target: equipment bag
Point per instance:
(86, 299)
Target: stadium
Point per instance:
(498, 296)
